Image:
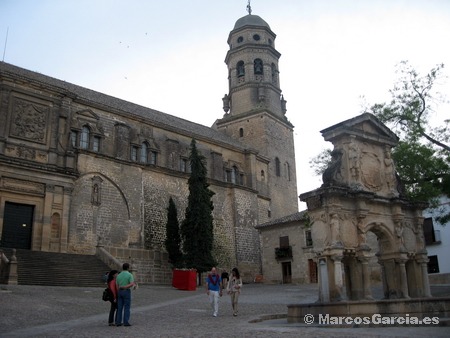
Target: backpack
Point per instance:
(107, 295)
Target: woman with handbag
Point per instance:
(112, 286)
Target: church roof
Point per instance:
(156, 118)
(250, 20)
(295, 217)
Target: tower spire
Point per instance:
(249, 8)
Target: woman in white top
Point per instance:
(234, 289)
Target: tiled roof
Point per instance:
(155, 117)
(298, 216)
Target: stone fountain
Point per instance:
(361, 197)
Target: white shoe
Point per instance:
(214, 314)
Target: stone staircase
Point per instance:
(58, 269)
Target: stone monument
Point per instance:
(361, 194)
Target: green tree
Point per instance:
(173, 239)
(197, 228)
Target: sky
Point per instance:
(337, 56)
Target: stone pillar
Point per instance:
(366, 277)
(324, 288)
(338, 277)
(426, 282)
(12, 278)
(383, 279)
(403, 278)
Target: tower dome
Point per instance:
(250, 20)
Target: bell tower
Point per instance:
(255, 113)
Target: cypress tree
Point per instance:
(197, 228)
(173, 239)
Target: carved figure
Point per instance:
(332, 175)
(354, 159)
(390, 176)
(335, 229)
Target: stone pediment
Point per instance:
(365, 127)
(87, 114)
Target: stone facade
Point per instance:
(79, 168)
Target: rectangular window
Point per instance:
(284, 241)
(73, 138)
(96, 144)
(133, 154)
(153, 157)
(183, 165)
(428, 231)
(433, 264)
(308, 238)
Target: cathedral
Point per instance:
(83, 172)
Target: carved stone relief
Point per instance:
(29, 121)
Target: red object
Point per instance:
(184, 279)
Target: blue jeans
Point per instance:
(123, 305)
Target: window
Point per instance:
(240, 69)
(433, 264)
(96, 143)
(153, 157)
(308, 238)
(263, 175)
(240, 39)
(133, 154)
(234, 175)
(274, 73)
(241, 132)
(258, 66)
(256, 37)
(284, 241)
(277, 167)
(288, 171)
(144, 153)
(431, 236)
(73, 138)
(84, 139)
(183, 165)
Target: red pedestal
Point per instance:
(184, 279)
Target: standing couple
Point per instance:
(120, 285)
(214, 288)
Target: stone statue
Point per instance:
(332, 175)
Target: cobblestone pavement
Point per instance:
(162, 311)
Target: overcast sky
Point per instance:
(169, 55)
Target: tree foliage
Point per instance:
(173, 239)
(197, 228)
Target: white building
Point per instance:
(437, 239)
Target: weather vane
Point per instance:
(249, 8)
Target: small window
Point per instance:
(133, 154)
(258, 66)
(269, 213)
(256, 37)
(274, 73)
(240, 39)
(73, 138)
(183, 165)
(144, 153)
(308, 238)
(288, 171)
(96, 144)
(284, 241)
(263, 175)
(153, 157)
(433, 264)
(277, 167)
(431, 236)
(241, 132)
(240, 69)
(84, 139)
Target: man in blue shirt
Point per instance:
(214, 290)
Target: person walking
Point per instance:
(234, 289)
(112, 286)
(125, 281)
(214, 290)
